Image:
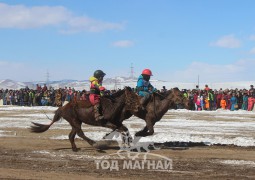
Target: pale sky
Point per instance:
(178, 40)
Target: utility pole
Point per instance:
(47, 78)
(116, 84)
(198, 81)
(132, 71)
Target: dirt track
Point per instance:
(35, 156)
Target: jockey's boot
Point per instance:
(98, 115)
(143, 102)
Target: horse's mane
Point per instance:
(107, 98)
(118, 93)
(163, 95)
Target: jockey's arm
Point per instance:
(102, 91)
(98, 86)
(140, 83)
(151, 88)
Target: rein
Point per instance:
(154, 104)
(163, 96)
(160, 94)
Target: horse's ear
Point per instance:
(128, 91)
(128, 88)
(176, 88)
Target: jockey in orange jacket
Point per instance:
(96, 91)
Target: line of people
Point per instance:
(200, 99)
(232, 99)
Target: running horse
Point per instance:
(156, 107)
(78, 112)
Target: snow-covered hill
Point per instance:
(121, 82)
(10, 84)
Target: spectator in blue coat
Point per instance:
(245, 101)
(233, 101)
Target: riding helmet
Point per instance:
(147, 72)
(99, 73)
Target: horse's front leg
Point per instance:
(151, 130)
(142, 132)
(112, 127)
(125, 135)
(148, 129)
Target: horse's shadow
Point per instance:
(137, 146)
(109, 144)
(179, 145)
(85, 149)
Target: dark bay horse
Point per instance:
(157, 106)
(79, 112)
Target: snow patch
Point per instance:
(238, 162)
(183, 125)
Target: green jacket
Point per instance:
(210, 96)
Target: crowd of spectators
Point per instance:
(231, 99)
(42, 96)
(200, 99)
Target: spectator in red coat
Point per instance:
(44, 88)
(252, 91)
(218, 99)
(250, 103)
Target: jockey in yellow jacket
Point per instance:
(96, 91)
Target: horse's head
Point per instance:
(178, 99)
(185, 103)
(132, 100)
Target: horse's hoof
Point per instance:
(75, 149)
(92, 143)
(137, 134)
(101, 145)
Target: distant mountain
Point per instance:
(120, 83)
(10, 84)
(119, 80)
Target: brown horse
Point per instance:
(79, 112)
(157, 106)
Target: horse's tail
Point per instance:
(39, 128)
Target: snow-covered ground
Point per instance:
(210, 127)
